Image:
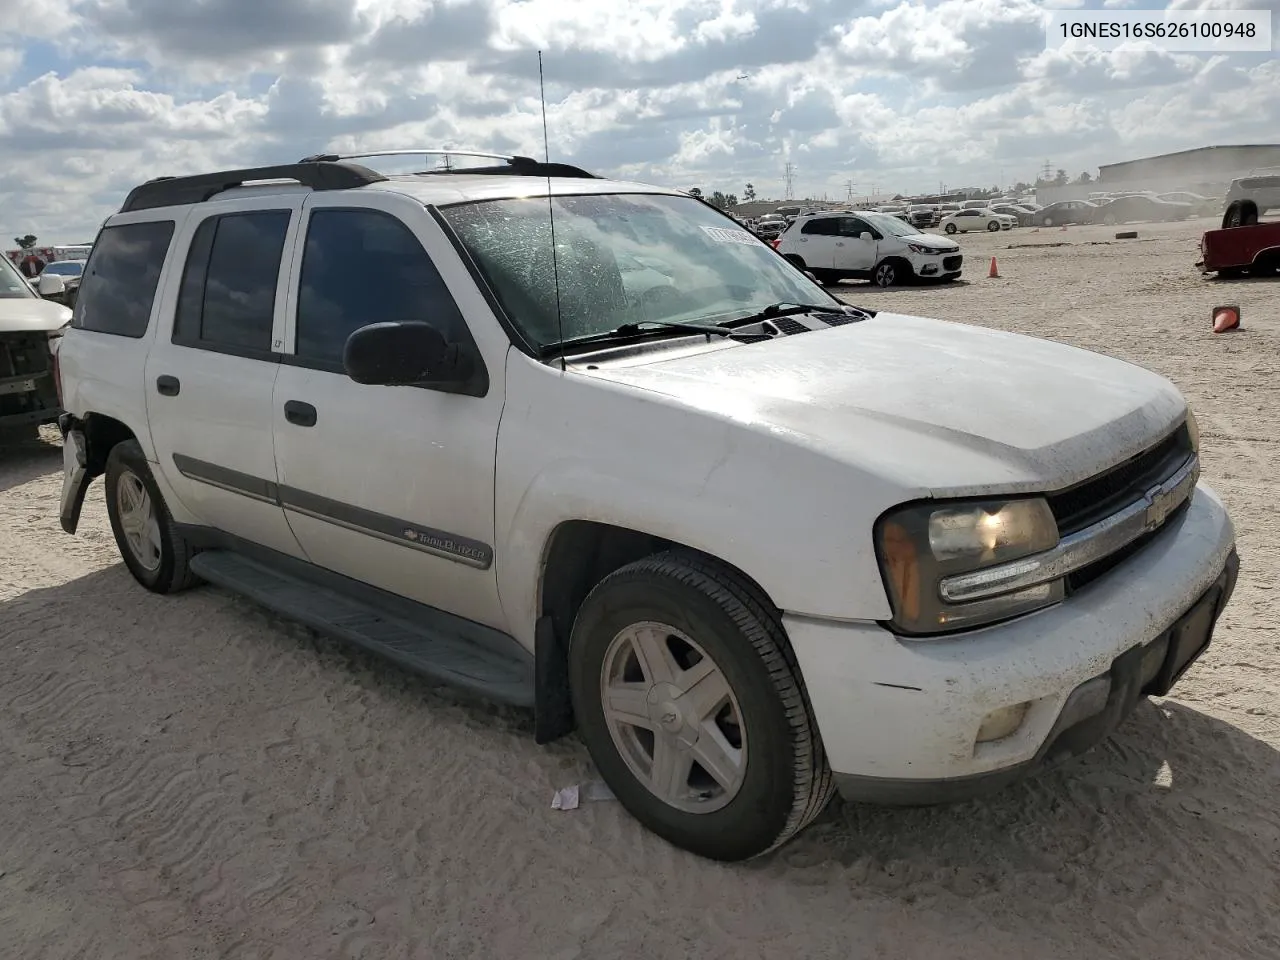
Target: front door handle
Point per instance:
(299, 413)
(168, 386)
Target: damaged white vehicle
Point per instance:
(29, 328)
(652, 482)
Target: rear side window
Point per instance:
(120, 280)
(228, 297)
(823, 227)
(362, 267)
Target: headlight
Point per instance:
(922, 543)
(1193, 431)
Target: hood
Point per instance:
(944, 409)
(32, 315)
(931, 240)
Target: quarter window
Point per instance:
(228, 295)
(362, 267)
(120, 280)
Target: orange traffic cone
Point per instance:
(1226, 318)
(993, 273)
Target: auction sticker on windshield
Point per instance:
(723, 235)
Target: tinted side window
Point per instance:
(824, 227)
(228, 295)
(851, 227)
(120, 280)
(362, 267)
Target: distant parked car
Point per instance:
(864, 244)
(1263, 191)
(1138, 207)
(1066, 211)
(1203, 206)
(1024, 215)
(963, 221)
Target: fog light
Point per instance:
(1002, 723)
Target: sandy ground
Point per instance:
(192, 778)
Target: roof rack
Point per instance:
(513, 166)
(176, 191)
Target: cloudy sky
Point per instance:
(96, 95)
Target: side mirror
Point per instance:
(865, 237)
(404, 354)
(51, 285)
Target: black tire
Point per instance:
(795, 260)
(950, 228)
(173, 572)
(787, 781)
(993, 226)
(827, 278)
(890, 272)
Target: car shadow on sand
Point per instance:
(1170, 823)
(26, 460)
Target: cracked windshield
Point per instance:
(623, 259)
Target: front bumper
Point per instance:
(900, 718)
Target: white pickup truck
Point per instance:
(591, 448)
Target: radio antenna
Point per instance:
(551, 210)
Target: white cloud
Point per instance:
(902, 93)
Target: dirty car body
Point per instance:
(29, 328)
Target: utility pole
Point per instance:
(848, 186)
(791, 181)
(1047, 173)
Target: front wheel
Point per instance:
(889, 272)
(690, 702)
(150, 545)
(993, 226)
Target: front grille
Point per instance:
(1098, 497)
(952, 263)
(25, 358)
(838, 319)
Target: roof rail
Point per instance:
(514, 166)
(176, 191)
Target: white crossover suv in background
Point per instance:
(754, 544)
(865, 245)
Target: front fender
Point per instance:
(795, 521)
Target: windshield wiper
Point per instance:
(626, 331)
(781, 309)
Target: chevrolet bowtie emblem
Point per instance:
(1159, 504)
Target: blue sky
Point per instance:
(96, 95)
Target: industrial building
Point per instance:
(1206, 170)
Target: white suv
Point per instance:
(863, 244)
(652, 482)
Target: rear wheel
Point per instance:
(150, 545)
(1047, 221)
(951, 228)
(795, 260)
(691, 705)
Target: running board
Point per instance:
(436, 644)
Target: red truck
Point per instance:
(1242, 245)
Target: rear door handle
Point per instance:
(168, 386)
(299, 413)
